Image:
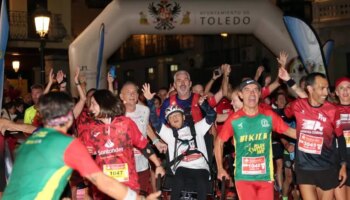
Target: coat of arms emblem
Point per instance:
(164, 14)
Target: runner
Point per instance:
(342, 90)
(251, 128)
(46, 160)
(140, 115)
(193, 167)
(318, 123)
(113, 139)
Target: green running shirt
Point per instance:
(252, 141)
(43, 166)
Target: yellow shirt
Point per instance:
(29, 115)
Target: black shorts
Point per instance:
(277, 150)
(324, 179)
(287, 162)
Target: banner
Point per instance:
(327, 51)
(4, 25)
(100, 55)
(307, 45)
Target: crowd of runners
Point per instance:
(265, 137)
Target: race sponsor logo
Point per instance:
(110, 151)
(321, 117)
(345, 117)
(97, 134)
(312, 125)
(240, 125)
(256, 148)
(253, 137)
(109, 144)
(265, 123)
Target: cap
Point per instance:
(171, 109)
(248, 82)
(339, 80)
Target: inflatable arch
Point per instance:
(122, 18)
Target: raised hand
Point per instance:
(226, 69)
(258, 72)
(282, 59)
(51, 76)
(217, 75)
(146, 89)
(110, 78)
(76, 75)
(283, 74)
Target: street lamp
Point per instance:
(42, 22)
(15, 65)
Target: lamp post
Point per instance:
(42, 22)
(15, 65)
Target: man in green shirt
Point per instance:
(251, 128)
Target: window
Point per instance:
(150, 74)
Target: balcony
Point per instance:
(22, 27)
(332, 11)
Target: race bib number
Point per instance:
(119, 172)
(310, 144)
(347, 138)
(253, 165)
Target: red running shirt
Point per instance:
(113, 144)
(345, 122)
(316, 128)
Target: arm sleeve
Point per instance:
(338, 128)
(226, 130)
(77, 157)
(278, 125)
(210, 114)
(265, 92)
(212, 102)
(288, 110)
(340, 136)
(154, 119)
(165, 104)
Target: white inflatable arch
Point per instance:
(122, 18)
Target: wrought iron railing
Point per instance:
(325, 11)
(22, 27)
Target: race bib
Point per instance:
(347, 138)
(253, 165)
(119, 172)
(310, 144)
